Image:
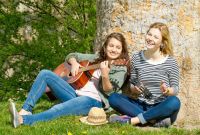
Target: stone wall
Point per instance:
(133, 17)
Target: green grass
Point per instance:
(71, 124)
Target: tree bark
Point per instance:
(133, 17)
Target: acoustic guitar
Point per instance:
(84, 74)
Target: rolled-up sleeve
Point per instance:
(81, 57)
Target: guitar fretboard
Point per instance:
(91, 67)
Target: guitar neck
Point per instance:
(90, 67)
(97, 66)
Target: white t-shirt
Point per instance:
(90, 89)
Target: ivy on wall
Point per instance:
(37, 35)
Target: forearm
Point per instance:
(82, 57)
(107, 85)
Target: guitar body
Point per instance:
(78, 81)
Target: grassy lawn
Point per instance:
(70, 125)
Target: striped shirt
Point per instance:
(150, 75)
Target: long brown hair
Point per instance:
(166, 48)
(119, 37)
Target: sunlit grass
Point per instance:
(70, 125)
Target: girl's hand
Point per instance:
(135, 90)
(104, 69)
(75, 68)
(164, 89)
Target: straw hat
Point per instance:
(96, 116)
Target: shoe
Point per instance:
(14, 114)
(163, 123)
(120, 119)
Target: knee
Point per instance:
(44, 72)
(174, 103)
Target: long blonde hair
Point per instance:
(166, 48)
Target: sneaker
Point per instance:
(121, 119)
(14, 114)
(163, 123)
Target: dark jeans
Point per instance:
(145, 112)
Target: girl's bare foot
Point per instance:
(24, 112)
(135, 120)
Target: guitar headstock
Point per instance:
(119, 62)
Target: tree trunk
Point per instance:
(133, 17)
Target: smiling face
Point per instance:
(113, 49)
(153, 39)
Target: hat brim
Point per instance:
(85, 121)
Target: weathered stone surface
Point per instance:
(133, 17)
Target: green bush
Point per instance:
(55, 28)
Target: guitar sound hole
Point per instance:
(70, 74)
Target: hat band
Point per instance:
(96, 119)
(96, 122)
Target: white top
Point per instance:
(91, 87)
(154, 62)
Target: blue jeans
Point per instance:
(145, 112)
(71, 104)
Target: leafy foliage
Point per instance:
(39, 34)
